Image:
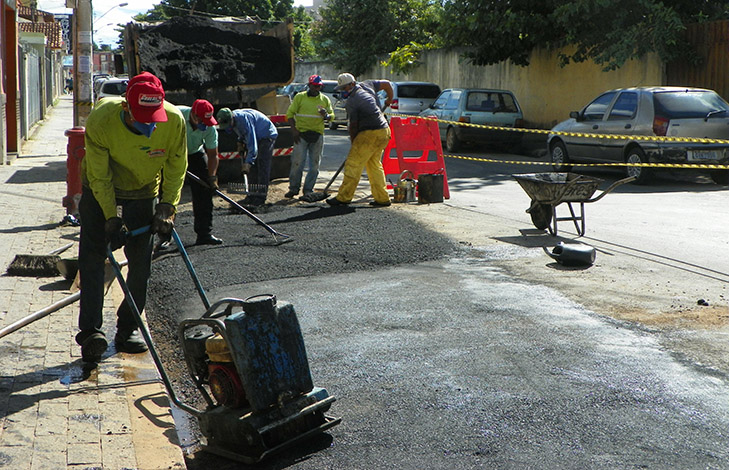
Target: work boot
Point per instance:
(130, 342)
(93, 347)
(291, 194)
(380, 204)
(333, 201)
(208, 240)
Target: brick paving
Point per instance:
(53, 413)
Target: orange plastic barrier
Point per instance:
(75, 150)
(420, 138)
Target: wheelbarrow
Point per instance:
(548, 190)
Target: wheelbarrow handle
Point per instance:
(611, 187)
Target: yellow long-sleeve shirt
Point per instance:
(121, 164)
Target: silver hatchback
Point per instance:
(620, 115)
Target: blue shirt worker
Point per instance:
(129, 141)
(202, 142)
(369, 133)
(307, 114)
(256, 136)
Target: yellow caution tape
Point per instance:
(580, 134)
(647, 138)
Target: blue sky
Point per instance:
(108, 13)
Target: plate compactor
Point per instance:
(248, 360)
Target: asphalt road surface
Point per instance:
(440, 356)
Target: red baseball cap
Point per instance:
(315, 80)
(204, 110)
(146, 97)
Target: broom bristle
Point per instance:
(34, 265)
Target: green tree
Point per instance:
(608, 32)
(352, 33)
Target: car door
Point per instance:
(589, 121)
(437, 109)
(620, 120)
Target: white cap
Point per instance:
(343, 80)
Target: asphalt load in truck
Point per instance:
(194, 53)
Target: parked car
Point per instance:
(292, 88)
(476, 106)
(647, 111)
(340, 113)
(112, 87)
(411, 97)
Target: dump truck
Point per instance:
(230, 62)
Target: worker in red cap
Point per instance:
(307, 114)
(130, 141)
(202, 142)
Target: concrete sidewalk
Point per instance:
(53, 413)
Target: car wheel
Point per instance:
(452, 141)
(720, 177)
(333, 126)
(560, 160)
(541, 215)
(641, 174)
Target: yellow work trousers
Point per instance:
(366, 152)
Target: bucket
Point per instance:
(405, 189)
(430, 188)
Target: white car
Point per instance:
(112, 87)
(645, 111)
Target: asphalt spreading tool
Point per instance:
(247, 189)
(278, 236)
(247, 358)
(321, 195)
(37, 265)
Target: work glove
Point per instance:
(164, 220)
(245, 168)
(323, 113)
(213, 182)
(115, 233)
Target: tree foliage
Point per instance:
(352, 33)
(608, 32)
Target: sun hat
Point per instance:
(315, 80)
(204, 110)
(343, 80)
(225, 117)
(146, 97)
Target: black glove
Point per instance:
(213, 182)
(164, 220)
(115, 233)
(245, 168)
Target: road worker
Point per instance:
(129, 141)
(369, 133)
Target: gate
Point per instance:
(711, 43)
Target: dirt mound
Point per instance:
(195, 54)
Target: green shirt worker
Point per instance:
(307, 114)
(202, 161)
(129, 142)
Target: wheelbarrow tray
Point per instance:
(554, 188)
(548, 190)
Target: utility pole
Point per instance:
(82, 62)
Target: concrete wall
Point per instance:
(546, 92)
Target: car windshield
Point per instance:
(329, 87)
(115, 88)
(689, 104)
(418, 91)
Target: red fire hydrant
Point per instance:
(75, 150)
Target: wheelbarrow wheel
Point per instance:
(541, 215)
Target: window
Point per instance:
(625, 107)
(418, 91)
(453, 100)
(596, 110)
(689, 104)
(442, 100)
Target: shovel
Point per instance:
(320, 196)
